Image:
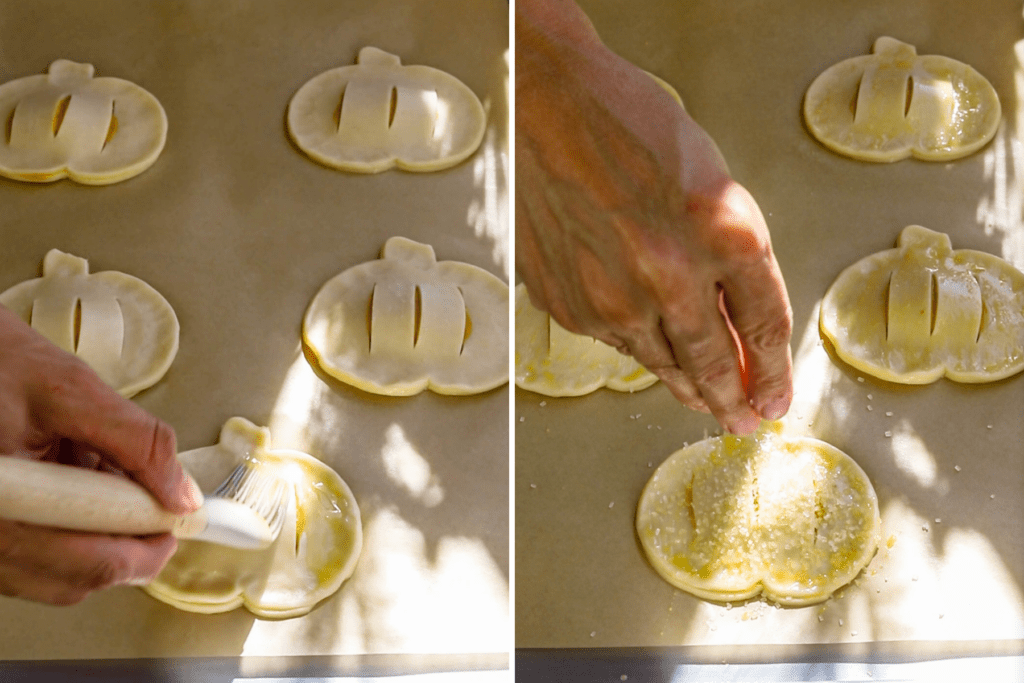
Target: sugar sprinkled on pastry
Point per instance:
(729, 518)
(120, 326)
(893, 104)
(67, 123)
(922, 310)
(378, 114)
(407, 322)
(315, 553)
(555, 362)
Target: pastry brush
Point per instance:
(246, 511)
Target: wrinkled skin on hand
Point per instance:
(630, 229)
(53, 407)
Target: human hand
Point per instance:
(53, 407)
(630, 229)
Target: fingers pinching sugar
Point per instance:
(629, 228)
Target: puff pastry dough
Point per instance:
(728, 518)
(893, 104)
(378, 114)
(67, 123)
(555, 362)
(119, 325)
(315, 553)
(406, 322)
(922, 310)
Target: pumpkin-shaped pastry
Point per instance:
(119, 325)
(920, 311)
(378, 114)
(407, 322)
(729, 517)
(893, 104)
(552, 361)
(67, 123)
(312, 557)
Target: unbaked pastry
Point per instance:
(119, 325)
(893, 104)
(95, 131)
(555, 362)
(920, 311)
(379, 114)
(406, 322)
(315, 553)
(729, 517)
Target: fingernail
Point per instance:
(776, 408)
(747, 425)
(138, 582)
(698, 406)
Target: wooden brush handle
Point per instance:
(66, 497)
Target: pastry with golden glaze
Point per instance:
(119, 325)
(729, 518)
(67, 123)
(893, 104)
(552, 361)
(379, 114)
(315, 553)
(407, 322)
(923, 310)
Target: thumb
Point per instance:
(88, 412)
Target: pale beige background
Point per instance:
(955, 571)
(238, 230)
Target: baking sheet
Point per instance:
(238, 230)
(601, 665)
(945, 458)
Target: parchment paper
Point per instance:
(238, 230)
(945, 459)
